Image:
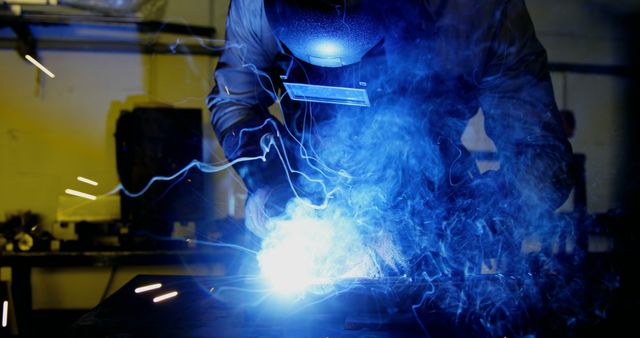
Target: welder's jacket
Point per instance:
(481, 54)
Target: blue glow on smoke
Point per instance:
(307, 253)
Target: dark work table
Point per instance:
(21, 264)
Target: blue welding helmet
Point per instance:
(326, 33)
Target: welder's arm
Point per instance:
(521, 115)
(243, 93)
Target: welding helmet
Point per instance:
(326, 33)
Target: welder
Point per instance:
(330, 56)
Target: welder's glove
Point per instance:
(482, 196)
(251, 145)
(543, 176)
(243, 138)
(267, 179)
(483, 216)
(264, 205)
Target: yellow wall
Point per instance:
(61, 129)
(64, 127)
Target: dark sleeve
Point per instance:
(243, 90)
(240, 100)
(517, 98)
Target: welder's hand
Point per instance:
(264, 205)
(486, 195)
(484, 215)
(268, 179)
(243, 139)
(256, 148)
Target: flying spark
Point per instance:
(80, 194)
(5, 313)
(39, 65)
(165, 297)
(148, 288)
(87, 181)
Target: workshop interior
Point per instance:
(159, 178)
